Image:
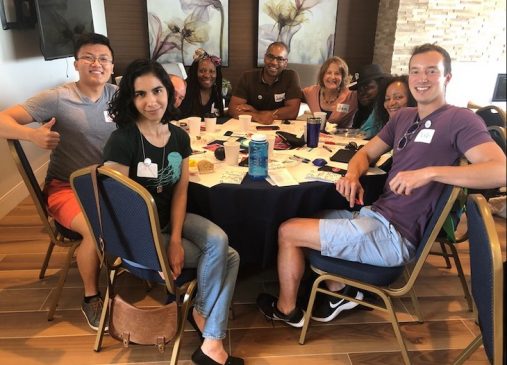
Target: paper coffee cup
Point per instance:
(231, 149)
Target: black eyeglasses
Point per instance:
(408, 134)
(103, 60)
(278, 59)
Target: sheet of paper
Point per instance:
(232, 176)
(282, 177)
(324, 176)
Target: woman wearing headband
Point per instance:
(204, 86)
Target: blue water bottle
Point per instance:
(312, 132)
(258, 157)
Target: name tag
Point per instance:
(342, 108)
(279, 97)
(147, 170)
(213, 109)
(107, 117)
(425, 136)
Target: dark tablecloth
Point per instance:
(251, 212)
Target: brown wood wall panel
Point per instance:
(355, 33)
(127, 28)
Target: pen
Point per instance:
(335, 143)
(327, 148)
(302, 159)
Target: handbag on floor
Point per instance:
(151, 326)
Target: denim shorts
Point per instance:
(364, 236)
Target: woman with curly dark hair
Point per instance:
(154, 153)
(204, 86)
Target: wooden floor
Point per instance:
(355, 337)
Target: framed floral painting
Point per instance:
(178, 27)
(307, 27)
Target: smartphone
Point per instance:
(267, 127)
(336, 170)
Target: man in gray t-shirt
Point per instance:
(76, 128)
(426, 142)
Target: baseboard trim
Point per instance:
(19, 192)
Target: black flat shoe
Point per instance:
(191, 319)
(200, 358)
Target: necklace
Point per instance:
(330, 100)
(147, 161)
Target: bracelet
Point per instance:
(275, 113)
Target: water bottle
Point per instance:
(258, 157)
(312, 132)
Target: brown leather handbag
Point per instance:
(151, 326)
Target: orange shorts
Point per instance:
(61, 202)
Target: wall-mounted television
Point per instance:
(60, 23)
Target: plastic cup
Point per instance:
(194, 126)
(211, 124)
(231, 149)
(244, 122)
(322, 116)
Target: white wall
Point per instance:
(23, 72)
(474, 82)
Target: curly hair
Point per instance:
(344, 71)
(194, 89)
(381, 114)
(122, 108)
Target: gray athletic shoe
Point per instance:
(92, 312)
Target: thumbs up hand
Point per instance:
(44, 137)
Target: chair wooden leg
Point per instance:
(415, 304)
(461, 275)
(186, 305)
(474, 345)
(445, 255)
(179, 333)
(102, 324)
(415, 300)
(396, 327)
(309, 309)
(61, 281)
(45, 264)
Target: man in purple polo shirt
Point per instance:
(426, 142)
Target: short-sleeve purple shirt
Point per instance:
(441, 139)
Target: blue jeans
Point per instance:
(207, 248)
(364, 236)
